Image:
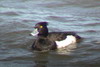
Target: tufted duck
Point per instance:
(52, 40)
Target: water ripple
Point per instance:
(18, 17)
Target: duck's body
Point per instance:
(63, 39)
(52, 40)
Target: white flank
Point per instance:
(34, 33)
(69, 40)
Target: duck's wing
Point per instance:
(63, 39)
(58, 36)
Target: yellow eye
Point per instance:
(41, 26)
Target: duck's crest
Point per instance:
(43, 23)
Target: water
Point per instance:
(17, 18)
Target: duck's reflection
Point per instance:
(50, 58)
(41, 59)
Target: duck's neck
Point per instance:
(43, 32)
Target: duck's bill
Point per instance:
(34, 33)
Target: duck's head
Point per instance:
(40, 29)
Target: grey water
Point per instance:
(18, 17)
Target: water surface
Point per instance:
(17, 18)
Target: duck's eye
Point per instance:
(41, 26)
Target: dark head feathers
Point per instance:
(42, 23)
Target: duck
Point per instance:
(46, 40)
